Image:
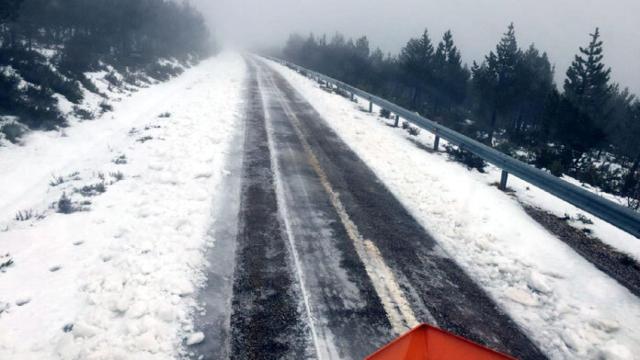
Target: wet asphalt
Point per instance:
(288, 279)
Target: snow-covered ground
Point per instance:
(570, 308)
(115, 277)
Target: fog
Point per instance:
(557, 27)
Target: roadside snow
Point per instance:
(116, 277)
(567, 306)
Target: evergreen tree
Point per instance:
(416, 61)
(496, 81)
(451, 76)
(534, 83)
(587, 83)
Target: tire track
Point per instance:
(267, 319)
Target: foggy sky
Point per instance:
(555, 26)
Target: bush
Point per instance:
(83, 114)
(65, 205)
(112, 78)
(24, 215)
(163, 72)
(88, 84)
(117, 176)
(120, 160)
(465, 157)
(385, 113)
(34, 69)
(92, 190)
(105, 106)
(12, 131)
(551, 159)
(413, 131)
(33, 106)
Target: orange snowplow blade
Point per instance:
(425, 342)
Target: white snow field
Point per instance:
(115, 278)
(567, 306)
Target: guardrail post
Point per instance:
(436, 143)
(397, 121)
(503, 180)
(370, 105)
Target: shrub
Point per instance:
(33, 106)
(39, 109)
(65, 205)
(92, 190)
(105, 106)
(583, 219)
(465, 157)
(120, 160)
(88, 84)
(24, 215)
(117, 176)
(113, 79)
(385, 113)
(550, 158)
(163, 72)
(405, 125)
(83, 114)
(12, 131)
(5, 261)
(56, 180)
(413, 131)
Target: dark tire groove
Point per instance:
(266, 320)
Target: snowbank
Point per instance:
(114, 276)
(567, 306)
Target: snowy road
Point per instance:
(328, 263)
(240, 211)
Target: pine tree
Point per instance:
(450, 75)
(496, 80)
(416, 61)
(534, 83)
(587, 83)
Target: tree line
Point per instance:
(127, 32)
(53, 43)
(588, 128)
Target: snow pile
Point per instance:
(567, 306)
(114, 277)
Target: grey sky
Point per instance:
(555, 26)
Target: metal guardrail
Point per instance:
(607, 210)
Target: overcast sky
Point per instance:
(555, 26)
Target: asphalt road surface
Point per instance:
(315, 258)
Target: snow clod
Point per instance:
(23, 301)
(195, 338)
